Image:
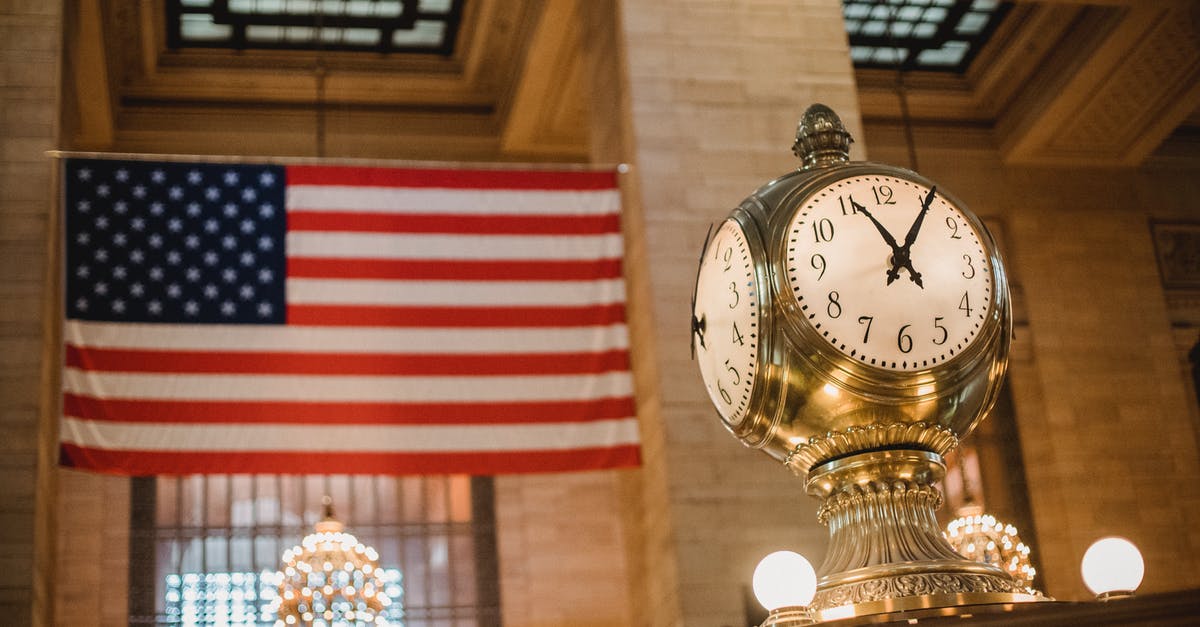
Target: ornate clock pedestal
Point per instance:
(852, 320)
(887, 551)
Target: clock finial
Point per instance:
(821, 138)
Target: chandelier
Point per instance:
(984, 539)
(329, 579)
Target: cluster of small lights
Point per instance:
(984, 539)
(331, 578)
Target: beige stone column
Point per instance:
(715, 90)
(29, 61)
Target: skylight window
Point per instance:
(940, 35)
(380, 26)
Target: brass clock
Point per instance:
(852, 320)
(726, 319)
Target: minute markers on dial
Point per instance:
(835, 285)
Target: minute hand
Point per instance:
(916, 225)
(894, 272)
(903, 257)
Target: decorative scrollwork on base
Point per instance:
(910, 585)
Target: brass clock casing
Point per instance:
(869, 439)
(811, 402)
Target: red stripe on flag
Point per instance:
(137, 463)
(449, 179)
(382, 316)
(186, 411)
(304, 363)
(300, 219)
(419, 269)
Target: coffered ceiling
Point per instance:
(1061, 82)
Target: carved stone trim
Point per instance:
(835, 444)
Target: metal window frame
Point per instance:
(145, 534)
(387, 27)
(914, 46)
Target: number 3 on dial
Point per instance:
(725, 321)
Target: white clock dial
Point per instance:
(889, 272)
(725, 329)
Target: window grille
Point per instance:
(204, 549)
(381, 26)
(938, 35)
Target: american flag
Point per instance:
(258, 318)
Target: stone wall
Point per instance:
(30, 35)
(1106, 420)
(715, 92)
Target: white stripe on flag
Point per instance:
(453, 247)
(415, 389)
(245, 337)
(452, 201)
(339, 438)
(455, 293)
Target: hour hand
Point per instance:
(698, 328)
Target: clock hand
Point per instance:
(903, 259)
(698, 327)
(916, 226)
(696, 286)
(893, 273)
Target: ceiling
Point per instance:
(1061, 82)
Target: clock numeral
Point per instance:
(953, 224)
(945, 332)
(904, 341)
(728, 256)
(852, 210)
(964, 305)
(970, 267)
(883, 195)
(823, 230)
(724, 394)
(834, 308)
(737, 298)
(737, 335)
(868, 320)
(737, 377)
(818, 263)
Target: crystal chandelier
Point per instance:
(329, 579)
(982, 538)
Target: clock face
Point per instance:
(725, 330)
(889, 272)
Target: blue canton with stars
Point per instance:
(175, 242)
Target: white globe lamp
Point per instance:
(784, 583)
(1112, 568)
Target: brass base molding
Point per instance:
(872, 436)
(885, 542)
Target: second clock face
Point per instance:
(725, 331)
(889, 272)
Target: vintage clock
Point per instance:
(852, 320)
(727, 305)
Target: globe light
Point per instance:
(784, 579)
(1112, 567)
